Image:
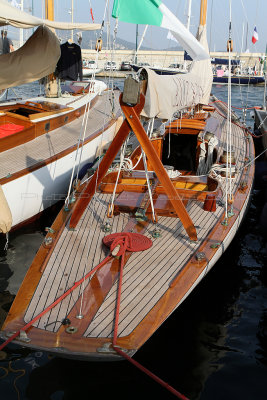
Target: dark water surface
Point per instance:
(214, 347)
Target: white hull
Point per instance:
(34, 186)
(32, 193)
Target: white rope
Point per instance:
(201, 161)
(148, 185)
(7, 241)
(118, 175)
(86, 114)
(205, 163)
(228, 193)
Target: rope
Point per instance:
(148, 184)
(237, 108)
(7, 241)
(52, 305)
(132, 242)
(119, 243)
(118, 175)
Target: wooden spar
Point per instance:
(132, 121)
(161, 173)
(110, 155)
(49, 10)
(203, 12)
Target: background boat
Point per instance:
(239, 75)
(44, 147)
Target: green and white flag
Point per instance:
(154, 12)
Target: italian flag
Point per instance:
(154, 12)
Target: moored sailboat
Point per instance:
(144, 230)
(45, 138)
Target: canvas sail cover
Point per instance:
(10, 15)
(167, 94)
(37, 58)
(203, 68)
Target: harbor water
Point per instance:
(213, 347)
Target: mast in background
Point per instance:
(203, 12)
(72, 19)
(136, 44)
(49, 10)
(51, 85)
(189, 14)
(247, 39)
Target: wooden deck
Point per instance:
(155, 281)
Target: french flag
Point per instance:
(255, 36)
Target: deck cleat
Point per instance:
(106, 227)
(140, 215)
(156, 233)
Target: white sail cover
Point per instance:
(167, 94)
(203, 68)
(37, 58)
(10, 15)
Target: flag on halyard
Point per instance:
(154, 12)
(255, 36)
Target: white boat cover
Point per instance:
(36, 59)
(167, 94)
(10, 15)
(203, 68)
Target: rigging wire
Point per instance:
(228, 192)
(80, 143)
(112, 101)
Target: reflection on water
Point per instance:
(213, 347)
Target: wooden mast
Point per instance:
(51, 87)
(203, 12)
(49, 10)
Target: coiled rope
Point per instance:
(131, 242)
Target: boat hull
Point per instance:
(36, 174)
(240, 80)
(155, 282)
(35, 191)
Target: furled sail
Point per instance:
(36, 59)
(10, 15)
